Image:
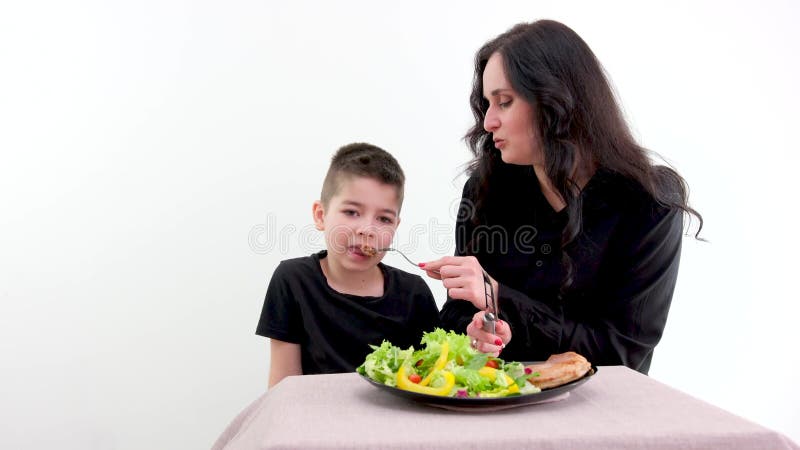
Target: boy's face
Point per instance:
(364, 211)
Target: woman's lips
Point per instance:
(499, 143)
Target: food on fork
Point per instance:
(368, 250)
(558, 369)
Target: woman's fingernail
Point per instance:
(422, 264)
(498, 342)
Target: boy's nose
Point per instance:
(365, 229)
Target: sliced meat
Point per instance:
(558, 369)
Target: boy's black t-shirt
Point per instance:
(334, 330)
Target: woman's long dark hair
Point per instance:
(578, 119)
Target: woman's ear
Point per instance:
(318, 213)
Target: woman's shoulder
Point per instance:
(627, 197)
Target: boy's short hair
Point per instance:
(362, 160)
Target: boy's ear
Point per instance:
(318, 213)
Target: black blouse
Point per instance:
(625, 263)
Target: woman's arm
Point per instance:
(284, 361)
(626, 320)
(622, 322)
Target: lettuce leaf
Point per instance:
(462, 360)
(382, 364)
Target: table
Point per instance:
(617, 409)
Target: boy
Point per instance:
(322, 311)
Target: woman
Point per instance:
(577, 232)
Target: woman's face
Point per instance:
(509, 118)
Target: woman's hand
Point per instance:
(487, 342)
(462, 276)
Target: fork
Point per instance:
(390, 249)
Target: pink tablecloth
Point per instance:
(617, 409)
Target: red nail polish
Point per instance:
(498, 342)
(422, 264)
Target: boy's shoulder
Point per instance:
(307, 268)
(303, 266)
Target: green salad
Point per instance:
(446, 365)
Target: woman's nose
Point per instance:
(491, 122)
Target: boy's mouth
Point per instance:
(364, 250)
(368, 250)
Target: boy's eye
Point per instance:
(386, 220)
(350, 212)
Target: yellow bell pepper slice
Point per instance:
(491, 373)
(438, 365)
(404, 383)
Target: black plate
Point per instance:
(481, 403)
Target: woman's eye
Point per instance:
(505, 104)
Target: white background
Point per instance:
(159, 158)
